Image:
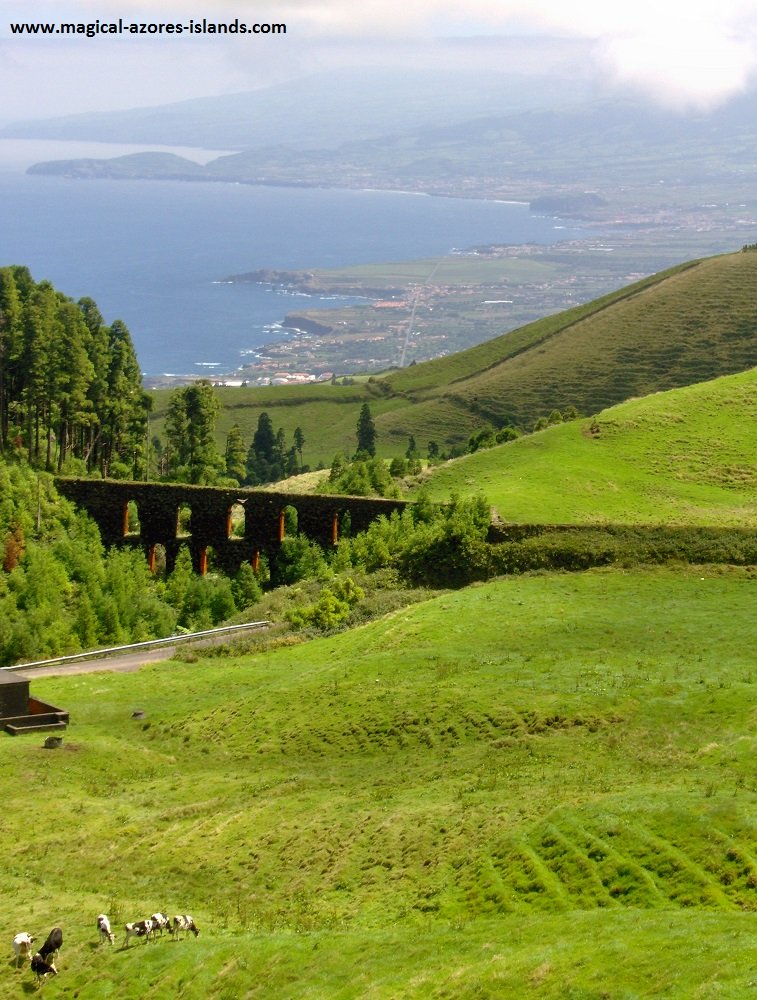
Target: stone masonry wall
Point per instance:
(158, 506)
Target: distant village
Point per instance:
(277, 378)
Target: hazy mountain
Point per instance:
(638, 158)
(323, 110)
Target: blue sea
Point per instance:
(155, 254)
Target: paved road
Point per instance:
(125, 662)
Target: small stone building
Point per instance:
(21, 713)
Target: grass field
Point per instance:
(557, 802)
(688, 456)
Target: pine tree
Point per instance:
(262, 454)
(246, 587)
(299, 441)
(366, 432)
(236, 454)
(190, 431)
(10, 337)
(203, 408)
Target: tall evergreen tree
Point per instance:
(10, 341)
(236, 454)
(261, 458)
(366, 432)
(203, 408)
(190, 430)
(69, 385)
(299, 442)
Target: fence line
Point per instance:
(168, 640)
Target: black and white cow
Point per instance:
(22, 946)
(103, 927)
(140, 928)
(52, 945)
(161, 922)
(185, 923)
(42, 967)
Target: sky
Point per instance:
(687, 55)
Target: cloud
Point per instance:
(696, 53)
(680, 52)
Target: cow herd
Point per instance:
(42, 963)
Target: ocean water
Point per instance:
(154, 254)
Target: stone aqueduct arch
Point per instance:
(158, 506)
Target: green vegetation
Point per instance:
(269, 459)
(71, 393)
(683, 457)
(191, 454)
(602, 353)
(538, 787)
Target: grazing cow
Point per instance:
(22, 946)
(184, 922)
(103, 926)
(52, 945)
(140, 928)
(42, 968)
(161, 923)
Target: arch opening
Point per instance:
(184, 521)
(132, 527)
(288, 521)
(156, 559)
(236, 520)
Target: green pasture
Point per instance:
(465, 269)
(688, 456)
(542, 787)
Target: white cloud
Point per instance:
(693, 53)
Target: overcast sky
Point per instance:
(692, 54)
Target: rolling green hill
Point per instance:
(688, 456)
(690, 324)
(682, 326)
(557, 803)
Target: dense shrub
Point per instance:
(331, 609)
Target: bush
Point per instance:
(332, 608)
(298, 559)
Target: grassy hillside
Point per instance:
(688, 456)
(560, 803)
(686, 325)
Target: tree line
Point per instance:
(71, 395)
(191, 455)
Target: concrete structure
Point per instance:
(206, 513)
(21, 713)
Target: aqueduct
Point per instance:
(148, 515)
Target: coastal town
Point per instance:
(392, 315)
